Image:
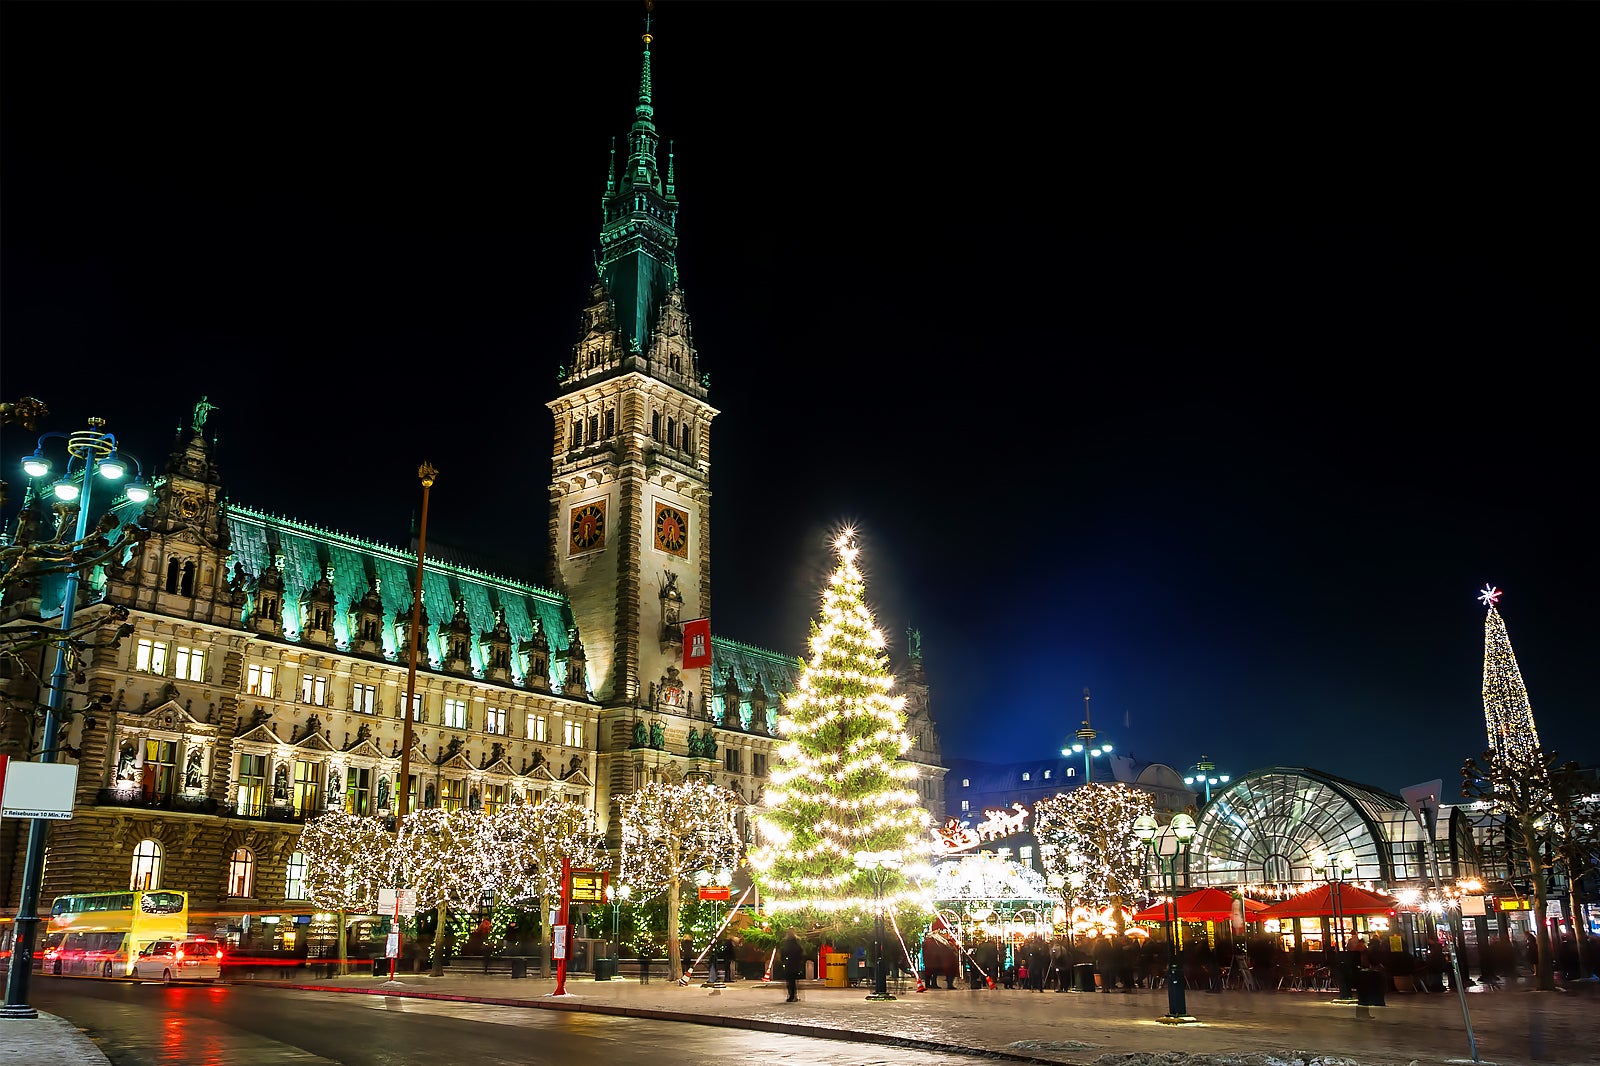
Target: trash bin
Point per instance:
(838, 969)
(605, 969)
(1083, 976)
(1369, 988)
(380, 966)
(519, 967)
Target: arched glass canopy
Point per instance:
(1264, 828)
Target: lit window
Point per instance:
(365, 699)
(252, 784)
(1025, 855)
(357, 790)
(146, 866)
(1026, 776)
(307, 786)
(1072, 771)
(574, 733)
(294, 881)
(258, 680)
(455, 714)
(416, 707)
(494, 721)
(494, 797)
(190, 663)
(242, 873)
(965, 806)
(314, 690)
(452, 794)
(538, 727)
(150, 657)
(965, 783)
(1047, 775)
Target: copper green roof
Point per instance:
(308, 551)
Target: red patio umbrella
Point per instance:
(1204, 905)
(1319, 903)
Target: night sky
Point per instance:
(1210, 357)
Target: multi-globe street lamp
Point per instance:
(1167, 843)
(878, 866)
(1336, 872)
(1203, 775)
(89, 450)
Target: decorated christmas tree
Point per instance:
(839, 789)
(1506, 710)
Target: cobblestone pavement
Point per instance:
(1512, 1027)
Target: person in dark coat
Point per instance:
(792, 958)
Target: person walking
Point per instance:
(793, 959)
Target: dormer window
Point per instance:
(1026, 776)
(1047, 775)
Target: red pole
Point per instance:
(566, 941)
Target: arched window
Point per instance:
(242, 873)
(146, 866)
(295, 877)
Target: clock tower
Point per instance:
(630, 496)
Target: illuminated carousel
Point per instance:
(984, 897)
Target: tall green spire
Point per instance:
(638, 237)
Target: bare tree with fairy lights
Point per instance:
(1090, 831)
(668, 833)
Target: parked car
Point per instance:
(179, 960)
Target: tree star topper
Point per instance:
(1490, 596)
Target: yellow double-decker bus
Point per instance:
(100, 934)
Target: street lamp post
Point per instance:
(1166, 843)
(616, 895)
(878, 866)
(90, 450)
(1336, 872)
(1202, 775)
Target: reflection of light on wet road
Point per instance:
(615, 1039)
(184, 1043)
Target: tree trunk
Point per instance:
(439, 932)
(674, 959)
(1579, 931)
(545, 933)
(1545, 969)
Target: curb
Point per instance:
(656, 1014)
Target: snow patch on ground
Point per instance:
(1051, 1045)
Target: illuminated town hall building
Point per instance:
(263, 679)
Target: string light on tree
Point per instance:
(839, 786)
(1090, 831)
(1506, 709)
(670, 831)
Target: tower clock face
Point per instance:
(588, 527)
(672, 530)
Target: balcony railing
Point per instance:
(116, 797)
(267, 812)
